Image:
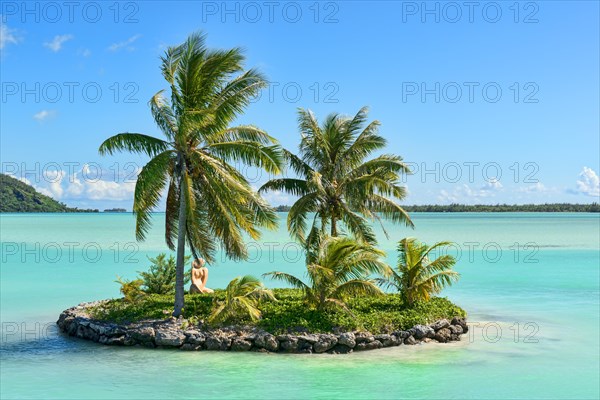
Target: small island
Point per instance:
(286, 327)
(115, 210)
(347, 298)
(338, 309)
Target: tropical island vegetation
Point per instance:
(17, 196)
(548, 207)
(342, 190)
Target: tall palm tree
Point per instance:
(208, 201)
(417, 277)
(337, 268)
(336, 182)
(242, 298)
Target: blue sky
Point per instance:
(490, 102)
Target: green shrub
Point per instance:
(160, 277)
(378, 314)
(131, 290)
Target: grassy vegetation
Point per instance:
(377, 314)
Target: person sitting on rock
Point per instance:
(199, 277)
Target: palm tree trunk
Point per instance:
(333, 227)
(181, 229)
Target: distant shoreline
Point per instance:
(499, 208)
(283, 212)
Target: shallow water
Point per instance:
(530, 283)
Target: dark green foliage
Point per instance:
(131, 290)
(558, 207)
(337, 269)
(340, 188)
(418, 274)
(242, 302)
(160, 277)
(17, 196)
(290, 313)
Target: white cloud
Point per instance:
(277, 197)
(75, 187)
(44, 114)
(84, 52)
(107, 190)
(56, 44)
(86, 184)
(537, 188)
(54, 179)
(492, 185)
(467, 195)
(447, 197)
(125, 44)
(7, 35)
(589, 182)
(81, 185)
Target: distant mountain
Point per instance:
(17, 196)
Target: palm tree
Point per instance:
(337, 268)
(417, 277)
(336, 182)
(242, 298)
(208, 201)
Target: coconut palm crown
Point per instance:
(242, 299)
(417, 276)
(335, 180)
(208, 202)
(337, 268)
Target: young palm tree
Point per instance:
(337, 268)
(242, 298)
(208, 201)
(336, 182)
(417, 277)
(161, 276)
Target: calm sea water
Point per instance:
(530, 283)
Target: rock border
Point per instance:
(174, 333)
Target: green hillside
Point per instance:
(17, 196)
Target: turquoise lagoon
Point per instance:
(530, 283)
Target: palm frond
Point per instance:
(251, 153)
(296, 187)
(298, 213)
(133, 143)
(287, 278)
(148, 188)
(417, 277)
(356, 287)
(163, 115)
